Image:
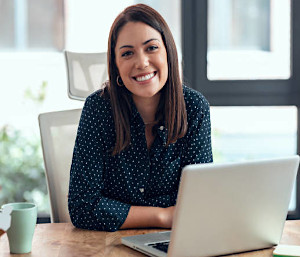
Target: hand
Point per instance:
(166, 217)
(5, 219)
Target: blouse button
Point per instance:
(161, 127)
(142, 190)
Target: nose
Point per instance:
(142, 61)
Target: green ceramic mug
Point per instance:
(23, 221)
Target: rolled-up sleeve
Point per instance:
(88, 207)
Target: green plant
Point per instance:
(21, 167)
(22, 176)
(38, 96)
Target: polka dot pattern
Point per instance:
(103, 187)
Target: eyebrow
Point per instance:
(145, 43)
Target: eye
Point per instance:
(152, 48)
(127, 53)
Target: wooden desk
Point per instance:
(62, 239)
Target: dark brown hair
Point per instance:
(171, 108)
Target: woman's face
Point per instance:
(141, 58)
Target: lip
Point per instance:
(143, 75)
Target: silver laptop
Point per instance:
(225, 208)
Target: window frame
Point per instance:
(238, 92)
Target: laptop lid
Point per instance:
(232, 207)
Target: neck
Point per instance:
(147, 107)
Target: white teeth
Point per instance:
(146, 77)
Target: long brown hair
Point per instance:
(171, 108)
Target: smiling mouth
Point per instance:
(145, 77)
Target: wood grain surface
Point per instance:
(63, 240)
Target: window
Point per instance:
(31, 25)
(248, 39)
(216, 46)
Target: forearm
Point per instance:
(101, 213)
(148, 216)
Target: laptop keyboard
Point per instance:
(162, 246)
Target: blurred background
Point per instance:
(236, 52)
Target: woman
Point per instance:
(136, 135)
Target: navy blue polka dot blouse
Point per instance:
(103, 187)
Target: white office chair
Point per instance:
(86, 73)
(58, 132)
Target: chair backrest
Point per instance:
(86, 73)
(58, 132)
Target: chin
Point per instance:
(150, 94)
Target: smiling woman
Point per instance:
(136, 135)
(143, 68)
